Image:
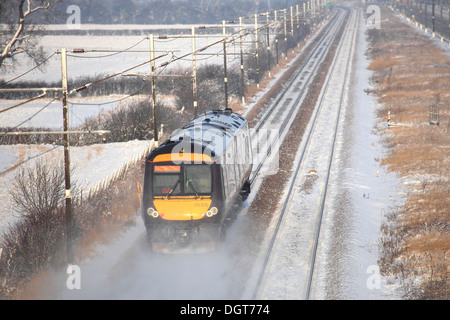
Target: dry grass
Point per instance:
(382, 64)
(410, 74)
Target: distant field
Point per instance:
(119, 38)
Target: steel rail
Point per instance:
(330, 160)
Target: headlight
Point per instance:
(152, 212)
(212, 212)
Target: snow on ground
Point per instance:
(92, 164)
(359, 195)
(133, 50)
(369, 188)
(124, 269)
(352, 272)
(48, 114)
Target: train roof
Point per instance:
(213, 130)
(217, 122)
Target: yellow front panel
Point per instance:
(182, 208)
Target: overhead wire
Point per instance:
(107, 55)
(24, 102)
(162, 39)
(163, 65)
(28, 119)
(114, 75)
(17, 165)
(73, 91)
(37, 66)
(117, 100)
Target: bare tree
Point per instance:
(21, 20)
(38, 189)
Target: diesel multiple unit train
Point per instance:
(193, 181)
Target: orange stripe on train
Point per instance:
(183, 157)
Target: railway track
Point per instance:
(269, 132)
(132, 272)
(302, 212)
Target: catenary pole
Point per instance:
(276, 36)
(241, 33)
(153, 88)
(285, 33)
(257, 50)
(268, 44)
(68, 196)
(225, 79)
(194, 73)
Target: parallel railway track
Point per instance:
(288, 102)
(339, 69)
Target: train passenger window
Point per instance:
(166, 180)
(197, 179)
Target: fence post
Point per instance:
(68, 197)
(257, 50)
(242, 62)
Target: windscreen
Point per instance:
(197, 179)
(166, 180)
(189, 180)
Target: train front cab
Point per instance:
(183, 201)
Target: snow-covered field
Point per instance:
(49, 114)
(113, 54)
(91, 164)
(123, 269)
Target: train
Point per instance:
(195, 181)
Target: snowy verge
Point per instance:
(94, 166)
